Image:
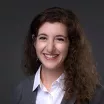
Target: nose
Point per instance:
(50, 46)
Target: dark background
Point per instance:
(15, 17)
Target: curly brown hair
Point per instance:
(80, 69)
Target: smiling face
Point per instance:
(52, 45)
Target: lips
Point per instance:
(50, 56)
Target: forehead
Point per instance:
(55, 28)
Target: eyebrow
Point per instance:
(61, 36)
(42, 34)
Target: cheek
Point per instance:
(39, 46)
(63, 49)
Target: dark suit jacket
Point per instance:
(24, 94)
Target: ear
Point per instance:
(34, 44)
(33, 38)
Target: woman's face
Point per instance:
(52, 45)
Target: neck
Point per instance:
(48, 76)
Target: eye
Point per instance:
(42, 38)
(60, 39)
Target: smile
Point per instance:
(50, 56)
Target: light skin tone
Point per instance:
(51, 47)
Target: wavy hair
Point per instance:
(80, 69)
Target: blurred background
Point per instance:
(15, 18)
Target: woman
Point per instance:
(59, 62)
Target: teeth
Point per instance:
(50, 56)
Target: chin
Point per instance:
(52, 66)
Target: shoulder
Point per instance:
(98, 97)
(27, 82)
(22, 89)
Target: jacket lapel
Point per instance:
(34, 94)
(71, 101)
(31, 94)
